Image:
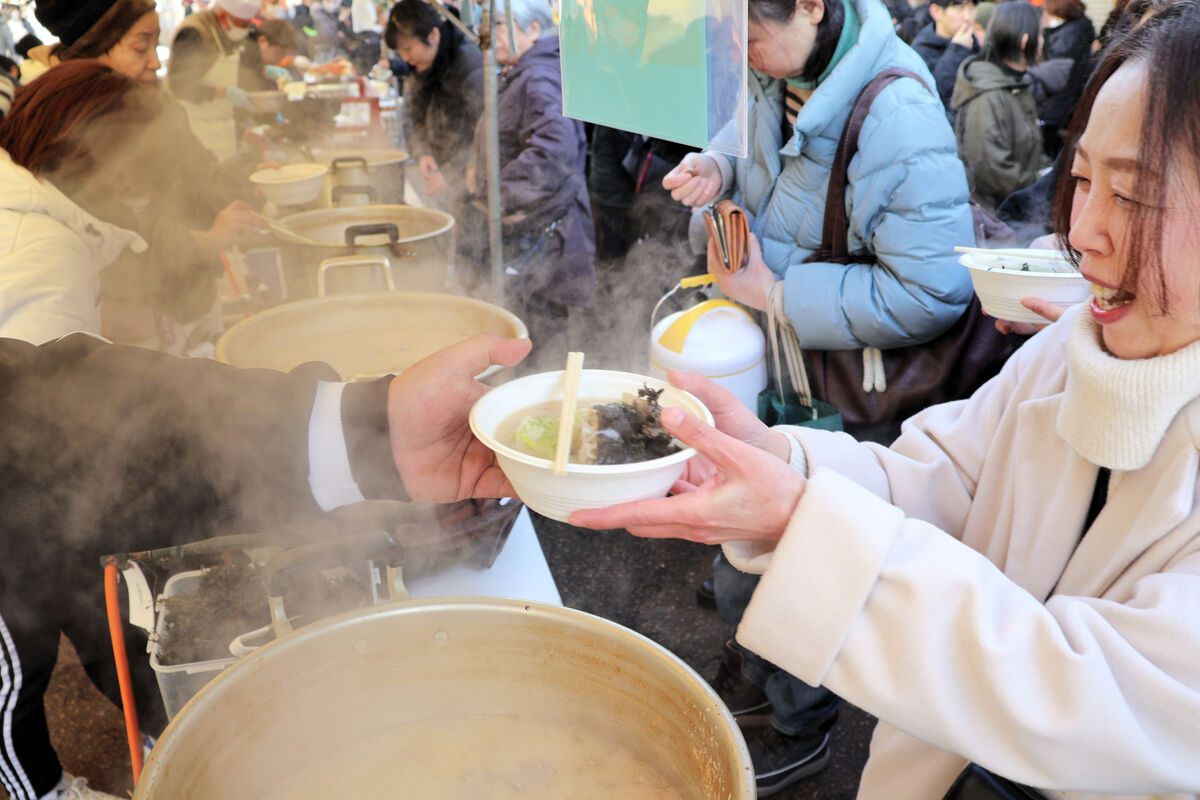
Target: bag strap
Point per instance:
(780, 336)
(834, 233)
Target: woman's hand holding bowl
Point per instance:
(1038, 306)
(731, 491)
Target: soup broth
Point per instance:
(480, 757)
(603, 431)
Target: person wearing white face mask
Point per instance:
(205, 70)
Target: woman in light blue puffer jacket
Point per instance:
(907, 193)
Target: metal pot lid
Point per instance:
(375, 157)
(328, 226)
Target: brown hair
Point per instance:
(1168, 48)
(73, 116)
(1065, 9)
(107, 32)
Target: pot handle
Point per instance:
(390, 229)
(348, 161)
(339, 262)
(321, 555)
(355, 188)
(690, 282)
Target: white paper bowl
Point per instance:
(583, 485)
(1001, 282)
(291, 184)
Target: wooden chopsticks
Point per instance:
(566, 416)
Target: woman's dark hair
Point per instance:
(829, 29)
(418, 18)
(107, 32)
(74, 116)
(1011, 22)
(1167, 47)
(1065, 9)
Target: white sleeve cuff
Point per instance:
(329, 473)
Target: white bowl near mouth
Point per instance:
(1002, 280)
(291, 184)
(583, 485)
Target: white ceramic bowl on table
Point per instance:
(1002, 280)
(291, 184)
(583, 485)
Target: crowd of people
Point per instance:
(999, 563)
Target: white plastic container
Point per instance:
(718, 339)
(291, 184)
(583, 485)
(178, 682)
(1002, 280)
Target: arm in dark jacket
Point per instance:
(945, 70)
(109, 449)
(549, 149)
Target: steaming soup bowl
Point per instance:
(1002, 280)
(583, 485)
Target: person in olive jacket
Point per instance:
(996, 124)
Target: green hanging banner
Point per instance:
(669, 69)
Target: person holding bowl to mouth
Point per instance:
(1015, 581)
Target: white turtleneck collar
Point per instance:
(1116, 411)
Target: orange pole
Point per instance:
(117, 632)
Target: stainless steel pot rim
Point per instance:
(361, 215)
(376, 157)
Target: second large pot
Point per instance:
(415, 241)
(454, 697)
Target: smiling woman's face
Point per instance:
(136, 55)
(1105, 168)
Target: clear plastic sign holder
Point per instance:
(668, 69)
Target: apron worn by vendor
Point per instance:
(212, 120)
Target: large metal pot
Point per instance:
(415, 241)
(341, 702)
(362, 335)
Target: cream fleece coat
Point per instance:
(913, 581)
(51, 254)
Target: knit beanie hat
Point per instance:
(70, 19)
(101, 34)
(983, 13)
(242, 9)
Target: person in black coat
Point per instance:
(947, 41)
(444, 96)
(1068, 35)
(109, 449)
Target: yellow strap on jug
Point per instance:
(676, 334)
(692, 281)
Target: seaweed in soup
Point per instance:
(626, 431)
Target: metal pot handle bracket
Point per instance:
(380, 545)
(373, 229)
(348, 161)
(336, 193)
(339, 262)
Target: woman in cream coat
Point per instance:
(952, 585)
